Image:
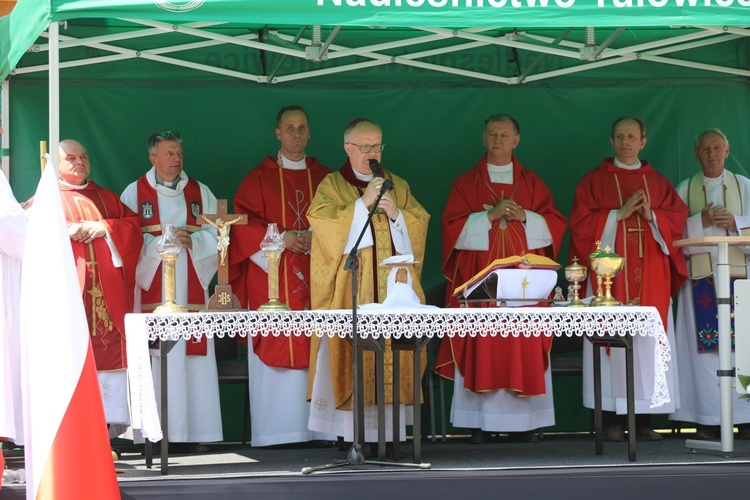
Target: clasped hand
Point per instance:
(507, 209)
(298, 241)
(386, 202)
(86, 231)
(637, 203)
(718, 216)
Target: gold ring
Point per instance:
(507, 209)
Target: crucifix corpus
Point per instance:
(223, 299)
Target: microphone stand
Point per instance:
(356, 456)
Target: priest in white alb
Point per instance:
(166, 195)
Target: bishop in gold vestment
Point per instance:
(337, 215)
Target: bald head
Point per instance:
(74, 162)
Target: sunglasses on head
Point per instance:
(164, 135)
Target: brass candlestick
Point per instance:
(575, 273)
(272, 246)
(607, 265)
(169, 248)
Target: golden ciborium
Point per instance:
(169, 248)
(575, 274)
(599, 292)
(607, 264)
(272, 246)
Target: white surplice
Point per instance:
(194, 407)
(699, 391)
(12, 235)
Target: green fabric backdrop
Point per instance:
(431, 134)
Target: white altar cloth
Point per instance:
(399, 323)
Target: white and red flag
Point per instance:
(67, 448)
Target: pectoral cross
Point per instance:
(223, 299)
(638, 230)
(524, 284)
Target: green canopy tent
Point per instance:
(429, 71)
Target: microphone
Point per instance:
(378, 172)
(375, 167)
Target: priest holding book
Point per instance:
(498, 209)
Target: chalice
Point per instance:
(575, 274)
(607, 264)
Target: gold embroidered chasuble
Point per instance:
(331, 215)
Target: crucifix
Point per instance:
(639, 230)
(524, 284)
(223, 299)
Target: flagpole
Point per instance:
(54, 91)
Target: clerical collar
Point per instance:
(363, 177)
(501, 174)
(285, 162)
(75, 186)
(714, 180)
(620, 164)
(500, 168)
(167, 184)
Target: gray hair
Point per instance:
(707, 133)
(163, 135)
(356, 122)
(502, 117)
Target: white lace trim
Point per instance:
(418, 323)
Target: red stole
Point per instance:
(107, 291)
(270, 193)
(150, 223)
(488, 363)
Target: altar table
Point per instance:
(613, 325)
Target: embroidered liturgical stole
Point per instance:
(700, 264)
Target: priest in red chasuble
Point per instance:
(498, 209)
(106, 240)
(633, 209)
(279, 189)
(399, 227)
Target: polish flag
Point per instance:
(68, 454)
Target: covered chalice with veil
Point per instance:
(607, 265)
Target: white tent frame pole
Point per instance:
(286, 45)
(152, 55)
(505, 42)
(215, 36)
(636, 56)
(141, 33)
(5, 138)
(54, 94)
(406, 60)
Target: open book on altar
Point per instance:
(516, 280)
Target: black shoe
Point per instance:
(614, 433)
(743, 431)
(478, 436)
(523, 437)
(706, 433)
(647, 434)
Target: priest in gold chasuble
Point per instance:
(399, 227)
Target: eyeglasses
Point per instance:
(164, 135)
(366, 148)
